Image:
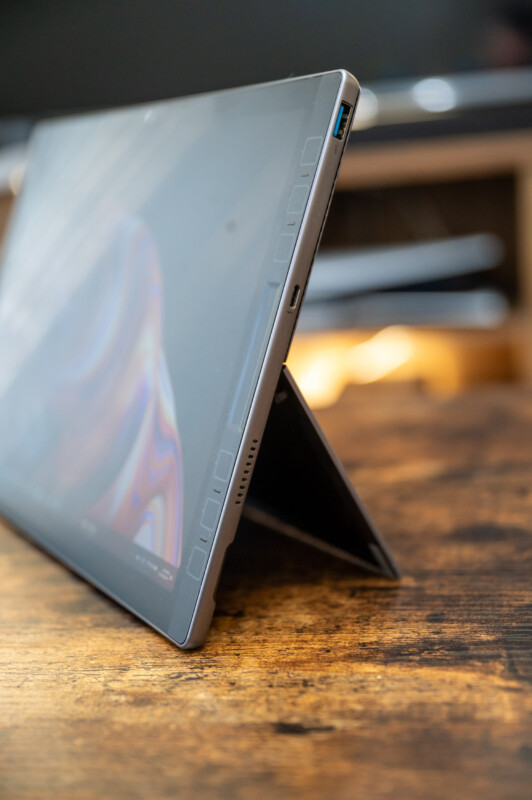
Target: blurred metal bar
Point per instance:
(351, 271)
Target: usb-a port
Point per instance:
(342, 121)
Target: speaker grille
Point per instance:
(246, 475)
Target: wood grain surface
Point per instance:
(316, 681)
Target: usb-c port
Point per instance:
(295, 298)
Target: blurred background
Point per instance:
(425, 270)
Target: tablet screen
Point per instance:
(140, 283)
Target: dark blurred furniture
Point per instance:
(404, 191)
(485, 157)
(315, 681)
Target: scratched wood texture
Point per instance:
(316, 681)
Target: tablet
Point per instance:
(152, 275)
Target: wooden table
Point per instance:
(316, 681)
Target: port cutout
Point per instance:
(342, 120)
(295, 298)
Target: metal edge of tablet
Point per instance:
(280, 338)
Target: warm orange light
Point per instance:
(325, 363)
(322, 379)
(381, 355)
